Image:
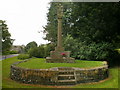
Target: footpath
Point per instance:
(7, 56)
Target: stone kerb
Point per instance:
(50, 76)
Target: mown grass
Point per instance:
(111, 82)
(39, 63)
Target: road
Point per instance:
(8, 56)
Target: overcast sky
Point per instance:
(25, 19)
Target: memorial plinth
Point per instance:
(59, 55)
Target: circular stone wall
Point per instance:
(58, 75)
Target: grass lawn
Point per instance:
(111, 82)
(39, 63)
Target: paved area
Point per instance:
(8, 56)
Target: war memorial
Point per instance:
(58, 75)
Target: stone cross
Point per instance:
(59, 55)
(59, 37)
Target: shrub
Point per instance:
(102, 51)
(42, 51)
(13, 52)
(96, 51)
(38, 52)
(34, 52)
(23, 56)
(29, 46)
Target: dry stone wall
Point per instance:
(56, 76)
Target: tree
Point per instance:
(5, 39)
(95, 22)
(51, 27)
(88, 21)
(30, 45)
(42, 51)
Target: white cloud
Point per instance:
(24, 19)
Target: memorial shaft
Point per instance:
(59, 36)
(59, 44)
